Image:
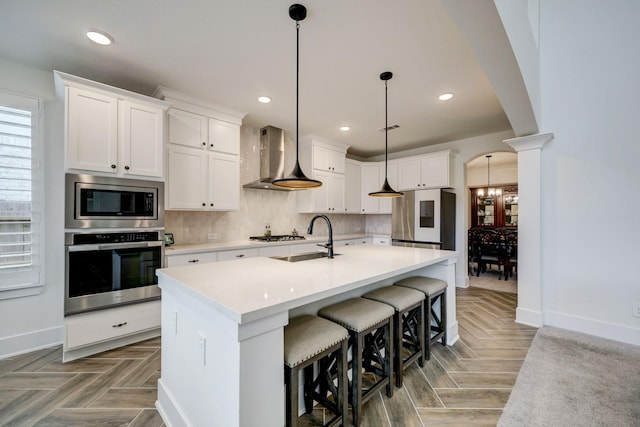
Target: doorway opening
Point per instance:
(492, 221)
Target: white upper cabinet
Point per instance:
(370, 182)
(224, 137)
(203, 171)
(329, 160)
(352, 195)
(110, 130)
(91, 117)
(372, 178)
(224, 182)
(426, 171)
(141, 140)
(198, 131)
(324, 161)
(186, 128)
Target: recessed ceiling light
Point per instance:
(345, 128)
(445, 96)
(264, 99)
(100, 37)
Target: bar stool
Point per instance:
(408, 323)
(370, 326)
(309, 339)
(435, 290)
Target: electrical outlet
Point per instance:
(174, 322)
(212, 236)
(202, 347)
(636, 309)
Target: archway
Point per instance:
(497, 212)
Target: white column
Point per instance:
(529, 309)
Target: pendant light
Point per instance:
(297, 179)
(386, 190)
(490, 191)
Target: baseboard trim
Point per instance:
(608, 330)
(528, 317)
(452, 333)
(168, 410)
(31, 341)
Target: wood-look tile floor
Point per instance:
(467, 384)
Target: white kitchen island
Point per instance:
(222, 326)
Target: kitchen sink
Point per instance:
(303, 257)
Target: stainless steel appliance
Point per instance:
(108, 269)
(105, 202)
(424, 218)
(277, 238)
(271, 159)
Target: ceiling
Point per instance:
(230, 52)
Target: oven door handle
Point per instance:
(87, 248)
(130, 245)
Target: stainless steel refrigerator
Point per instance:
(424, 218)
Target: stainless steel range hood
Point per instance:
(271, 159)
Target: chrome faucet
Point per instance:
(329, 244)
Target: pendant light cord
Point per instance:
(297, 81)
(488, 174)
(386, 132)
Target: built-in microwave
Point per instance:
(105, 202)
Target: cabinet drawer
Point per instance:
(190, 259)
(90, 328)
(237, 254)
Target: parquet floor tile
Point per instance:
(466, 384)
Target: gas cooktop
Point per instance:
(283, 238)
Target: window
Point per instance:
(21, 198)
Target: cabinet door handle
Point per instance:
(126, 168)
(113, 166)
(239, 256)
(193, 260)
(204, 144)
(211, 204)
(119, 325)
(204, 204)
(211, 145)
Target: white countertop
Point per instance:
(245, 244)
(254, 288)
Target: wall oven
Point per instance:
(111, 268)
(106, 202)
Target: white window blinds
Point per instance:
(20, 225)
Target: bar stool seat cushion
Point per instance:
(357, 314)
(307, 336)
(397, 297)
(428, 285)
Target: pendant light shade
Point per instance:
(297, 179)
(386, 190)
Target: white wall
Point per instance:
(499, 174)
(590, 177)
(36, 321)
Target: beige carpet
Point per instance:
(573, 379)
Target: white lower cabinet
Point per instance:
(237, 254)
(97, 331)
(191, 258)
